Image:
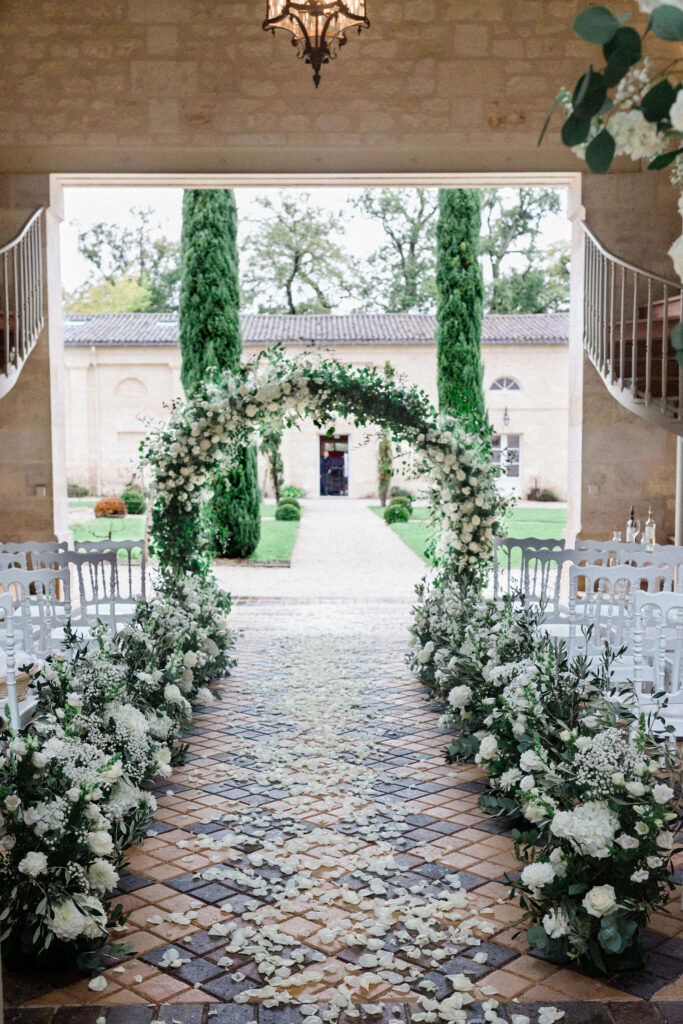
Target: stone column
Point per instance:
(32, 460)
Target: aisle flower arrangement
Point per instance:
(588, 780)
(74, 785)
(228, 410)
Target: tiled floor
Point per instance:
(315, 845)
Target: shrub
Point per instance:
(400, 492)
(547, 495)
(236, 508)
(397, 514)
(285, 511)
(134, 501)
(290, 491)
(76, 491)
(110, 508)
(401, 503)
(289, 501)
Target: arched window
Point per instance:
(505, 384)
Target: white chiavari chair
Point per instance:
(131, 573)
(603, 598)
(508, 578)
(658, 653)
(8, 680)
(96, 574)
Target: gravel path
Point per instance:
(343, 552)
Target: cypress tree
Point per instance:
(211, 335)
(460, 295)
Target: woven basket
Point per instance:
(23, 681)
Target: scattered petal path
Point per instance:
(317, 861)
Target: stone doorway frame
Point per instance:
(569, 180)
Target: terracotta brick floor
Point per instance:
(315, 823)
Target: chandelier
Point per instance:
(318, 27)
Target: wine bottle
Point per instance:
(649, 531)
(631, 527)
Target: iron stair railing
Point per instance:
(21, 299)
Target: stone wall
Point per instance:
(197, 86)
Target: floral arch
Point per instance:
(229, 410)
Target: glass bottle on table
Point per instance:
(650, 531)
(632, 527)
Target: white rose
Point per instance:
(17, 747)
(665, 840)
(635, 788)
(12, 802)
(488, 748)
(641, 875)
(654, 862)
(190, 659)
(627, 842)
(39, 759)
(459, 696)
(527, 783)
(530, 761)
(100, 843)
(74, 794)
(662, 794)
(33, 864)
(74, 699)
(601, 900)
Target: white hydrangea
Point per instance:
(634, 136)
(589, 827)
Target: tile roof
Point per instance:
(354, 329)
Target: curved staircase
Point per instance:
(628, 318)
(21, 300)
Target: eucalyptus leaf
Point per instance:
(596, 25)
(677, 337)
(589, 95)
(622, 51)
(574, 131)
(600, 152)
(664, 159)
(536, 937)
(657, 101)
(667, 23)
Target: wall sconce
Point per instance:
(506, 417)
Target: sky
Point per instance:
(87, 206)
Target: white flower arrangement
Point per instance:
(567, 751)
(73, 784)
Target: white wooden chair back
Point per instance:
(131, 575)
(542, 581)
(607, 602)
(42, 607)
(658, 655)
(7, 644)
(508, 579)
(662, 555)
(96, 574)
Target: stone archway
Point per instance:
(227, 410)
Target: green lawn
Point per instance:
(277, 541)
(543, 523)
(130, 528)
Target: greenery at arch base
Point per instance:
(228, 410)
